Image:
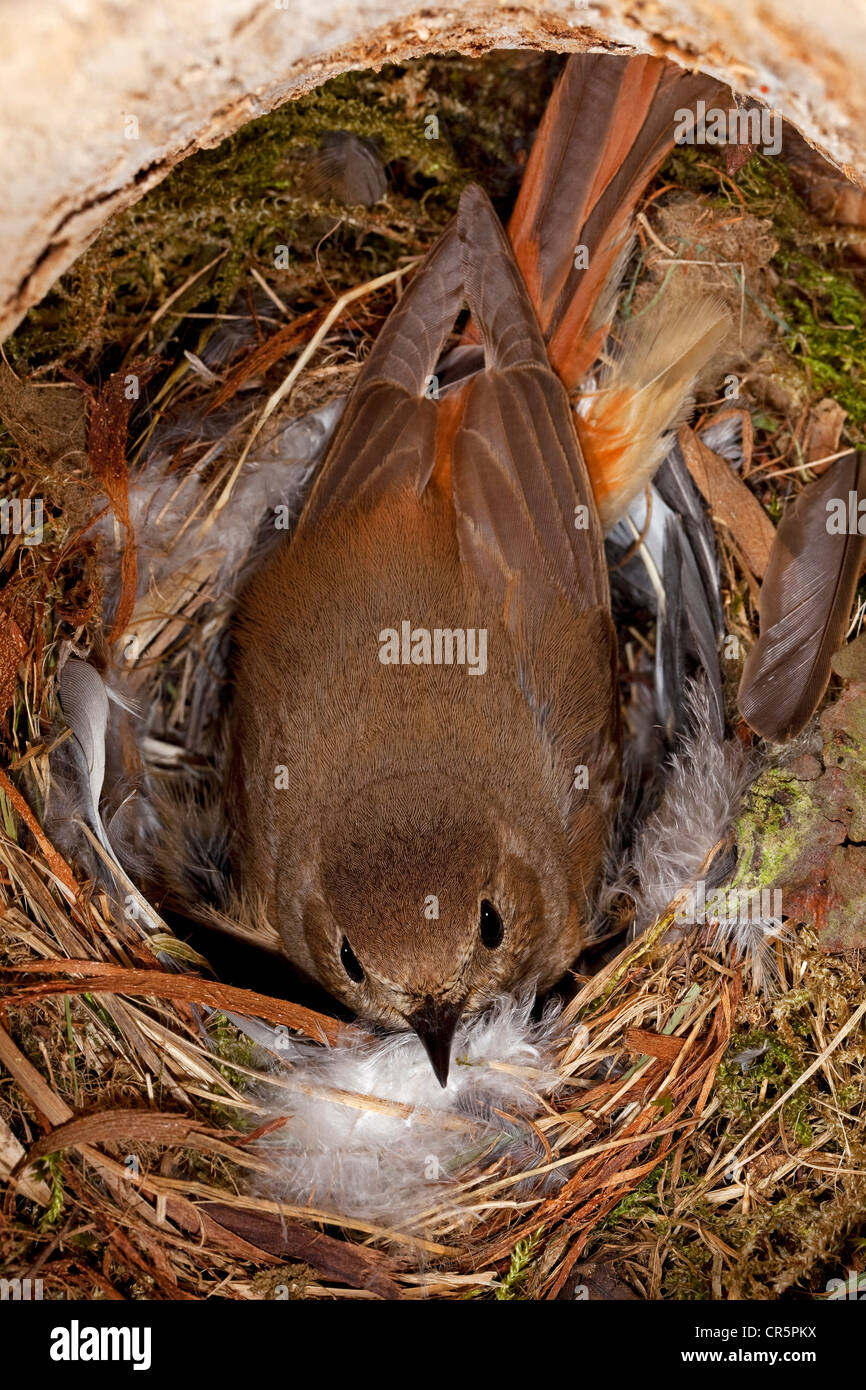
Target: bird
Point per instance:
(426, 750)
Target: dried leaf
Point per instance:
(642, 1040)
(850, 661)
(11, 1153)
(336, 1259)
(116, 1127)
(730, 501)
(823, 431)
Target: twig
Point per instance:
(283, 390)
(722, 1163)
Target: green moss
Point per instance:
(772, 829)
(231, 1046)
(240, 201)
(519, 1267)
(639, 1204)
(819, 292)
(745, 1090)
(249, 195)
(234, 1049)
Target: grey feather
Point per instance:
(347, 168)
(674, 575)
(84, 701)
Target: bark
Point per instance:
(99, 99)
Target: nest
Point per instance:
(684, 1126)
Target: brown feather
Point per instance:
(608, 126)
(507, 438)
(518, 473)
(643, 395)
(804, 607)
(387, 435)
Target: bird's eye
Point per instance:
(492, 930)
(350, 962)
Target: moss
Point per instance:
(744, 1091)
(772, 829)
(819, 292)
(238, 201)
(518, 1269)
(231, 1046)
(639, 1204)
(288, 1282)
(246, 197)
(234, 1049)
(794, 1234)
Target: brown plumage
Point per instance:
(347, 168)
(608, 127)
(436, 837)
(421, 784)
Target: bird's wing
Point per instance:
(528, 531)
(607, 128)
(522, 496)
(387, 435)
(504, 442)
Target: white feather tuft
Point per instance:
(750, 932)
(399, 1148)
(725, 438)
(703, 786)
(168, 509)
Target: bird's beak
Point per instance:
(436, 1025)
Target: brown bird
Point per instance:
(426, 740)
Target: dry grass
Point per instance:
(707, 1137)
(139, 1134)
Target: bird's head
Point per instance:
(427, 905)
